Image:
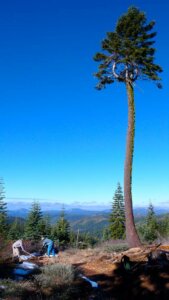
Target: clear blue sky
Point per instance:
(61, 139)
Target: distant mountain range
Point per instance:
(21, 209)
(142, 211)
(81, 217)
(48, 206)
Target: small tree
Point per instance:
(61, 231)
(151, 225)
(16, 229)
(117, 216)
(3, 212)
(164, 226)
(106, 234)
(33, 226)
(45, 226)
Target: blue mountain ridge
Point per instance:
(79, 212)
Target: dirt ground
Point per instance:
(142, 282)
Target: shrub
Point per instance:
(56, 275)
(116, 248)
(113, 246)
(11, 288)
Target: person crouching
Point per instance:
(50, 246)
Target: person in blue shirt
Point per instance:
(50, 246)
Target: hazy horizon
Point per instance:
(46, 204)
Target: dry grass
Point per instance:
(59, 279)
(56, 275)
(12, 288)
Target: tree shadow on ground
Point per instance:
(6, 270)
(144, 282)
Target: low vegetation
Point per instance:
(9, 289)
(56, 275)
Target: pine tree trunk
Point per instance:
(131, 233)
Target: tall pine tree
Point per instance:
(117, 216)
(127, 56)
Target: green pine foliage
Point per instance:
(87, 240)
(33, 226)
(82, 240)
(106, 234)
(3, 212)
(45, 226)
(16, 230)
(164, 227)
(128, 52)
(117, 216)
(150, 229)
(61, 230)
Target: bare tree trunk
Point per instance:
(131, 233)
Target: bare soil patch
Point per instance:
(143, 281)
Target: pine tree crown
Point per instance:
(128, 52)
